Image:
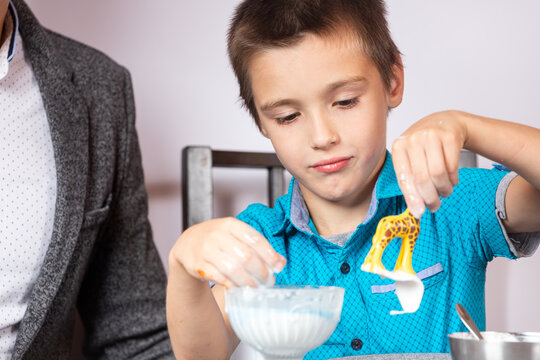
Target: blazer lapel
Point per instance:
(68, 121)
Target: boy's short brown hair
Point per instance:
(264, 24)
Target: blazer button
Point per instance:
(357, 344)
(345, 268)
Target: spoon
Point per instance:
(468, 321)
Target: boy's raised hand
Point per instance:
(227, 251)
(426, 159)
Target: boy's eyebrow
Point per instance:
(274, 104)
(341, 83)
(329, 89)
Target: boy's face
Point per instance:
(323, 105)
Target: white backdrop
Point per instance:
(479, 56)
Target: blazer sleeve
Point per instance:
(122, 298)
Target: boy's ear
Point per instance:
(395, 93)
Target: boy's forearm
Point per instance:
(195, 322)
(513, 145)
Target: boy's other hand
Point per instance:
(426, 160)
(227, 251)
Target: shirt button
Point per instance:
(345, 268)
(357, 344)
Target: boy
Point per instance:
(319, 78)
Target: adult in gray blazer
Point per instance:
(100, 259)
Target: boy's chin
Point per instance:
(336, 195)
(342, 193)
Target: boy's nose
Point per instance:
(323, 133)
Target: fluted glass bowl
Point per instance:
(284, 322)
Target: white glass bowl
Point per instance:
(284, 322)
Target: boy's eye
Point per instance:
(346, 103)
(288, 118)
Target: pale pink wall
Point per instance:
(480, 56)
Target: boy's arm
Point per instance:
(196, 318)
(225, 251)
(426, 160)
(517, 147)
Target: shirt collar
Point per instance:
(7, 49)
(297, 213)
(12, 41)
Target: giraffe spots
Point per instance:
(404, 226)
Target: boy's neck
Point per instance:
(331, 218)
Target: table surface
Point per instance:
(399, 357)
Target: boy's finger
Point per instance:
(438, 168)
(422, 178)
(209, 272)
(452, 151)
(250, 261)
(405, 182)
(234, 271)
(262, 247)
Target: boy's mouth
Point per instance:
(331, 165)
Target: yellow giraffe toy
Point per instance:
(409, 288)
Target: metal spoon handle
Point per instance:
(468, 321)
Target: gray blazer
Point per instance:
(101, 259)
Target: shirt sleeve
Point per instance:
(479, 225)
(520, 244)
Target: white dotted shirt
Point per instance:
(27, 186)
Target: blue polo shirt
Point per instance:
(451, 254)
